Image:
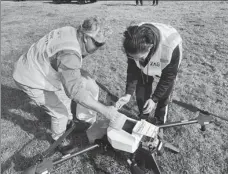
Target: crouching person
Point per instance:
(50, 74)
(152, 49)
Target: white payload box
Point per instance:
(125, 133)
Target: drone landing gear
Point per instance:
(145, 156)
(145, 160)
(164, 144)
(171, 147)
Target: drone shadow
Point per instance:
(186, 106)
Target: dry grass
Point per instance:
(202, 82)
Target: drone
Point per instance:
(140, 138)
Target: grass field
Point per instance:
(202, 82)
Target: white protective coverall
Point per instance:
(50, 74)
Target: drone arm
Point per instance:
(68, 156)
(207, 113)
(179, 123)
(47, 165)
(203, 119)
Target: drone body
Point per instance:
(140, 138)
(130, 136)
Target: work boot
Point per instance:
(64, 143)
(143, 116)
(65, 146)
(155, 121)
(69, 124)
(73, 107)
(161, 114)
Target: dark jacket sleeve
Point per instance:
(132, 76)
(168, 76)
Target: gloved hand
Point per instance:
(122, 101)
(148, 106)
(116, 118)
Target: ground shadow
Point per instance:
(195, 109)
(13, 99)
(186, 106)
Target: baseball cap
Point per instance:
(94, 28)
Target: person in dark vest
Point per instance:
(137, 2)
(155, 2)
(152, 49)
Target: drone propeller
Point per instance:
(196, 109)
(203, 119)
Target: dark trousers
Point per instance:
(143, 92)
(73, 107)
(155, 2)
(137, 2)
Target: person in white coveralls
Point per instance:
(50, 74)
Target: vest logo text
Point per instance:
(157, 64)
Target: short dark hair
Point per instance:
(138, 39)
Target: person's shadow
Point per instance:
(15, 104)
(18, 109)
